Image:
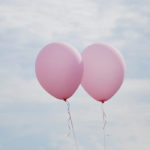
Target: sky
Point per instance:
(32, 119)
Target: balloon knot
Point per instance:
(65, 99)
(102, 101)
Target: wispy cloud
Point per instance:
(127, 112)
(30, 117)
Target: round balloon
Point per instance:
(59, 69)
(104, 70)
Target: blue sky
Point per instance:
(32, 119)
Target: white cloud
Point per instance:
(26, 110)
(128, 115)
(49, 20)
(26, 26)
(20, 89)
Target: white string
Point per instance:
(71, 126)
(104, 124)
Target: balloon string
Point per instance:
(104, 124)
(69, 119)
(71, 126)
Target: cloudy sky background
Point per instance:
(32, 119)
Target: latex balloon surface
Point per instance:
(104, 70)
(59, 69)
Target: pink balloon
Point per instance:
(104, 70)
(59, 69)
